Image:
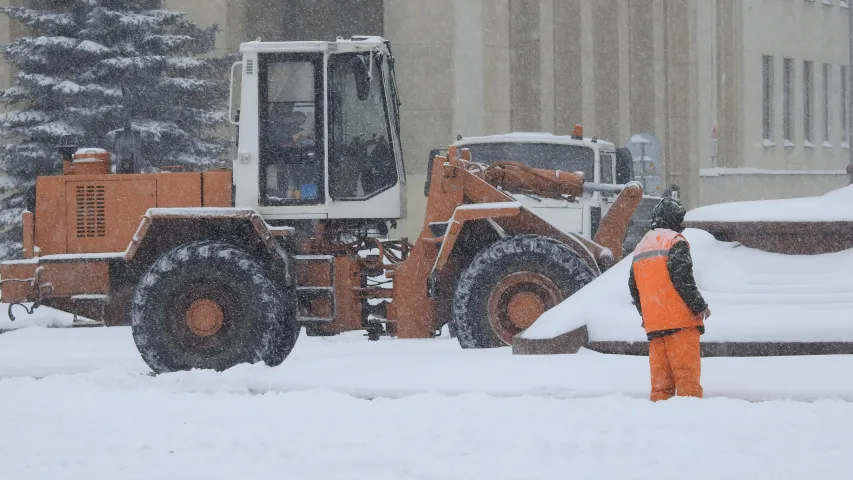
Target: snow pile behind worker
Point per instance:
(756, 297)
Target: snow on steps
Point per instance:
(761, 303)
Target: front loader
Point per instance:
(226, 266)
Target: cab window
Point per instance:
(291, 146)
(361, 156)
(607, 160)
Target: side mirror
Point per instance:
(66, 147)
(624, 166)
(361, 71)
(432, 155)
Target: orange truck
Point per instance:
(226, 266)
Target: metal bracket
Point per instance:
(34, 282)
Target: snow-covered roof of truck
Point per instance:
(535, 137)
(356, 43)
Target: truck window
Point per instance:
(607, 160)
(547, 156)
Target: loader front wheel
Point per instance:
(209, 305)
(510, 284)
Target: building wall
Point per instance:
(5, 37)
(673, 68)
(814, 31)
(9, 30)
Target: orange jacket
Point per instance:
(662, 283)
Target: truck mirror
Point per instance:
(624, 166)
(362, 77)
(66, 147)
(432, 154)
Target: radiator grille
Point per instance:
(90, 211)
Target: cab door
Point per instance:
(291, 147)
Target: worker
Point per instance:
(673, 310)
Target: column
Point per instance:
(569, 91)
(468, 71)
(525, 60)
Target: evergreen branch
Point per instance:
(131, 20)
(205, 118)
(29, 45)
(94, 48)
(56, 129)
(186, 63)
(23, 118)
(184, 84)
(132, 63)
(163, 16)
(41, 21)
(168, 42)
(37, 79)
(68, 87)
(14, 95)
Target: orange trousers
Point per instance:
(675, 363)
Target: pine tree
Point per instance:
(92, 69)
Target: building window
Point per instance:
(808, 101)
(767, 98)
(844, 107)
(788, 100)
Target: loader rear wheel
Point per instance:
(209, 305)
(510, 284)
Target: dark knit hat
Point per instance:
(669, 214)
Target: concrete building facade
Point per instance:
(8, 31)
(680, 70)
(782, 79)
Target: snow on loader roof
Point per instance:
(783, 302)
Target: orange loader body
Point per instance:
(93, 234)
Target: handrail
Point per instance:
(231, 95)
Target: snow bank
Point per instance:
(41, 317)
(754, 296)
(834, 206)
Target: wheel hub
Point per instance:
(518, 300)
(205, 317)
(524, 308)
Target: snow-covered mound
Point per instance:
(834, 206)
(41, 317)
(754, 296)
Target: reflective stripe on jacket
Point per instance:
(663, 308)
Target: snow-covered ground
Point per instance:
(79, 403)
(754, 296)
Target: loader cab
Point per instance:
(319, 131)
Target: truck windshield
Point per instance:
(571, 158)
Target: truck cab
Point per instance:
(604, 166)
